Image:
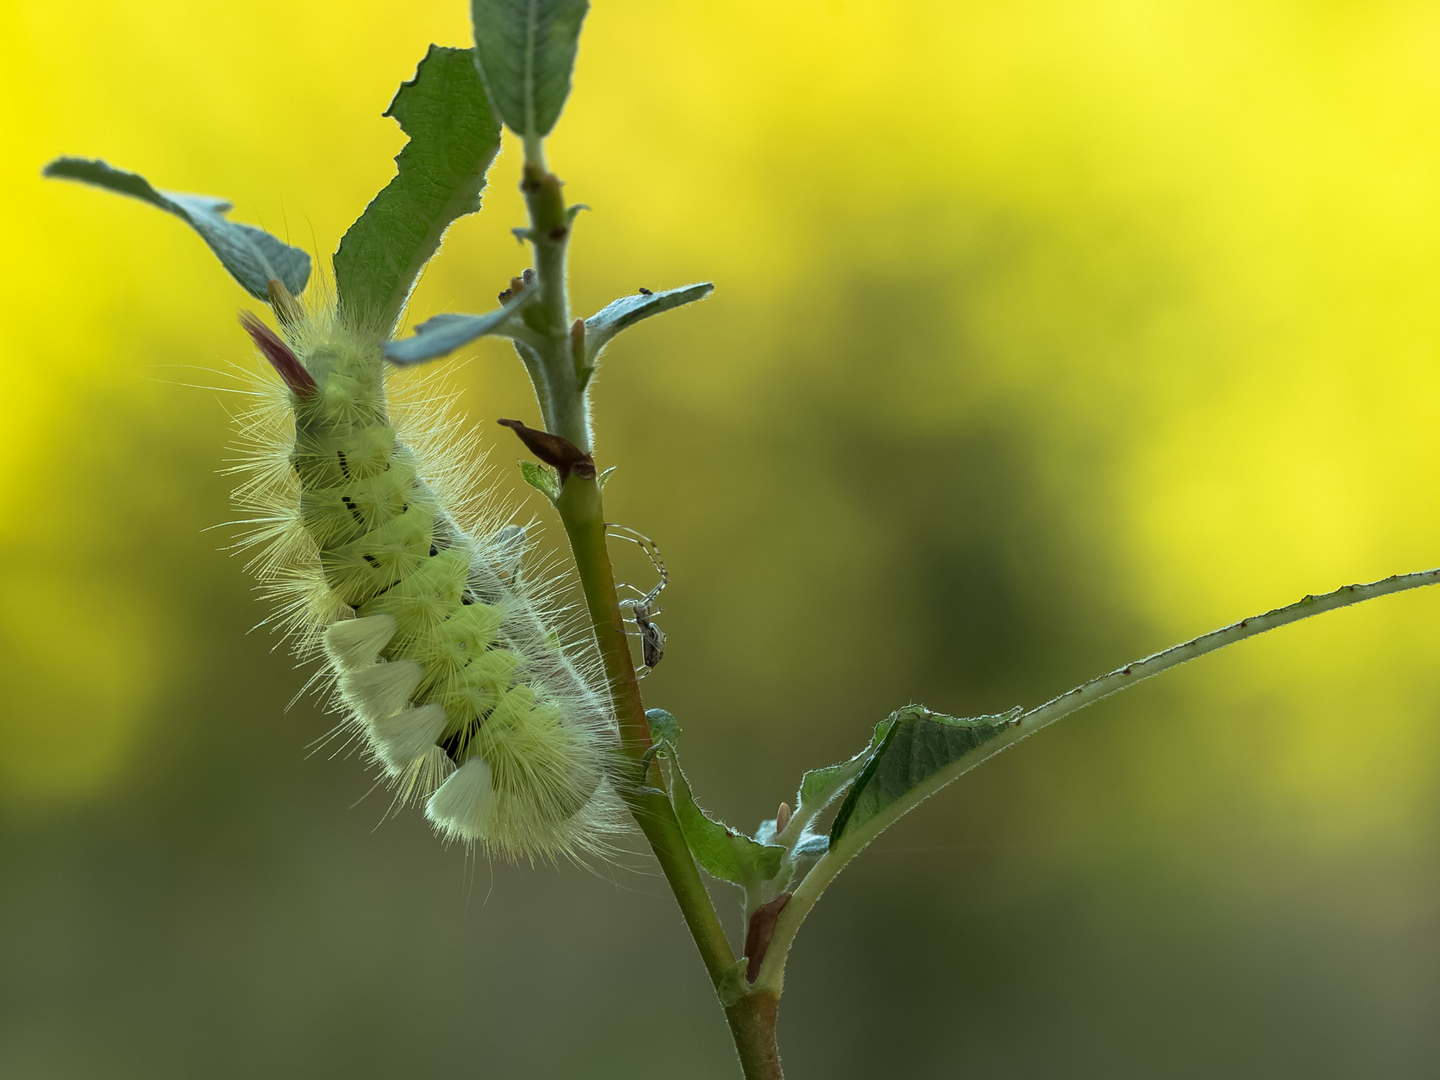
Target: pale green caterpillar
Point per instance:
(443, 657)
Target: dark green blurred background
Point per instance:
(1045, 335)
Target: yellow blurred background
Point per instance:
(1045, 335)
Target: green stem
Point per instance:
(562, 400)
(772, 971)
(554, 368)
(581, 511)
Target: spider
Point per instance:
(642, 606)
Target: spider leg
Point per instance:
(651, 549)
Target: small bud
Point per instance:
(782, 817)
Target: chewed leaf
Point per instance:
(525, 50)
(542, 478)
(251, 255)
(723, 852)
(628, 310)
(913, 745)
(439, 176)
(443, 334)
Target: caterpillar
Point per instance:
(441, 654)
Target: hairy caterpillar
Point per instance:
(441, 655)
(443, 658)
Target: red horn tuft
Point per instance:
(285, 362)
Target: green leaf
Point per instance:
(251, 255)
(819, 786)
(443, 334)
(525, 51)
(628, 310)
(439, 176)
(910, 746)
(723, 852)
(542, 478)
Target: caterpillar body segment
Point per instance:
(407, 736)
(444, 659)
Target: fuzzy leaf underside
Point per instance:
(251, 255)
(443, 334)
(440, 173)
(628, 310)
(525, 50)
(723, 852)
(909, 747)
(812, 846)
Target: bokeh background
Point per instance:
(1045, 335)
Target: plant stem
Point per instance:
(580, 510)
(554, 368)
(752, 1023)
(562, 401)
(772, 971)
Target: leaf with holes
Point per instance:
(439, 176)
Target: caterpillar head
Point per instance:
(331, 369)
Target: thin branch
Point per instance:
(772, 972)
(1121, 678)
